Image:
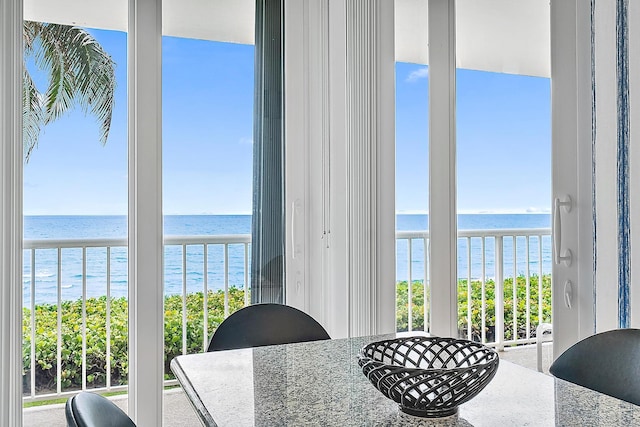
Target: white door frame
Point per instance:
(572, 170)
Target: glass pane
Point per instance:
(208, 104)
(503, 131)
(75, 187)
(222, 166)
(412, 197)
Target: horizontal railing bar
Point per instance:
(502, 232)
(210, 240)
(168, 240)
(246, 238)
(72, 243)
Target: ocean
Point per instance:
(78, 227)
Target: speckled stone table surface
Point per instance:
(320, 384)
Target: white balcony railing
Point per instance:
(72, 260)
(218, 267)
(488, 261)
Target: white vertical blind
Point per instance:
(370, 172)
(11, 212)
(341, 114)
(267, 227)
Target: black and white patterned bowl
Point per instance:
(428, 376)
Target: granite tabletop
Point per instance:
(320, 384)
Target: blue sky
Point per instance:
(504, 148)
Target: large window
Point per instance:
(75, 280)
(412, 196)
(208, 93)
(503, 173)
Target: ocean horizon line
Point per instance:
(245, 214)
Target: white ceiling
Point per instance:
(505, 36)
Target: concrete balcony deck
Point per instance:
(177, 412)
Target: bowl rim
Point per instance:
(364, 359)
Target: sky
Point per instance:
(503, 139)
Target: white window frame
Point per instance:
(146, 284)
(146, 332)
(443, 230)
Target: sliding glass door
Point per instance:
(503, 150)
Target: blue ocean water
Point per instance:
(470, 252)
(77, 227)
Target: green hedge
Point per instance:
(418, 295)
(46, 321)
(46, 326)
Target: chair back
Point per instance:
(266, 324)
(92, 410)
(608, 362)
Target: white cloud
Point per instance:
(246, 141)
(416, 75)
(538, 210)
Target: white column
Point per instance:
(11, 63)
(146, 331)
(442, 167)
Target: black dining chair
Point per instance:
(608, 362)
(266, 324)
(92, 410)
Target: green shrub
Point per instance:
(46, 327)
(46, 337)
(418, 295)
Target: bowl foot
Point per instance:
(424, 413)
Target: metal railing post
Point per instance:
(499, 294)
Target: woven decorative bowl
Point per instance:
(428, 376)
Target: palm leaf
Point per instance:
(80, 72)
(32, 114)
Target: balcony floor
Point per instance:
(525, 355)
(178, 411)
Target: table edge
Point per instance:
(192, 395)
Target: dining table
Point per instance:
(320, 383)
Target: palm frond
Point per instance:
(80, 72)
(32, 114)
